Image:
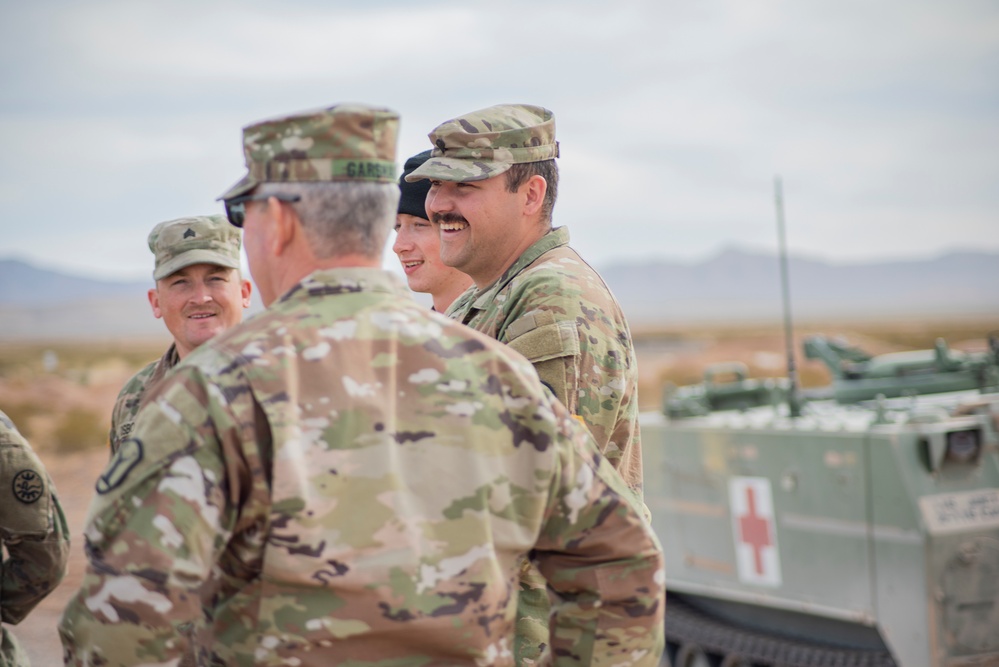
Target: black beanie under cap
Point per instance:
(414, 195)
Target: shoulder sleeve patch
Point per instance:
(28, 486)
(128, 455)
(25, 497)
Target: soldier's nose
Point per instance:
(401, 244)
(437, 203)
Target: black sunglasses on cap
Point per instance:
(235, 208)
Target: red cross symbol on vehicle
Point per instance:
(754, 530)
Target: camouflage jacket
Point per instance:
(32, 531)
(553, 308)
(349, 478)
(130, 397)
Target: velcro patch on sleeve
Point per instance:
(548, 341)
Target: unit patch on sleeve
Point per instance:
(28, 486)
(128, 456)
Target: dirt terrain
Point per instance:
(61, 397)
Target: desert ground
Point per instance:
(60, 394)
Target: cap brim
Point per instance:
(243, 186)
(457, 170)
(194, 257)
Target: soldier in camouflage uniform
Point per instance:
(199, 293)
(350, 478)
(493, 186)
(33, 533)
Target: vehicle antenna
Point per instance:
(793, 397)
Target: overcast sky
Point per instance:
(673, 117)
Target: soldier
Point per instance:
(199, 293)
(351, 478)
(417, 243)
(493, 183)
(33, 533)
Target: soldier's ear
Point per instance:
(284, 227)
(534, 192)
(154, 303)
(246, 289)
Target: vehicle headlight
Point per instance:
(963, 446)
(940, 448)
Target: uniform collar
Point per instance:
(170, 357)
(326, 282)
(555, 238)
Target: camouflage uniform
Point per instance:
(550, 306)
(175, 244)
(351, 479)
(32, 531)
(130, 398)
(557, 311)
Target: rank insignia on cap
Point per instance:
(196, 239)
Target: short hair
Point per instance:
(341, 218)
(519, 174)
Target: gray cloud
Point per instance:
(673, 117)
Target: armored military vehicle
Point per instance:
(857, 526)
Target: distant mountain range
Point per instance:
(732, 286)
(740, 286)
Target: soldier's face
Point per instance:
(198, 302)
(417, 245)
(483, 228)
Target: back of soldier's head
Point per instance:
(339, 162)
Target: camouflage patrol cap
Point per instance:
(486, 143)
(203, 239)
(345, 142)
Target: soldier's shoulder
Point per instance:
(277, 334)
(270, 322)
(562, 275)
(20, 464)
(558, 276)
(138, 382)
(235, 347)
(455, 341)
(5, 423)
(9, 435)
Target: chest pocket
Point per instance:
(552, 347)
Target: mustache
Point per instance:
(438, 218)
(199, 310)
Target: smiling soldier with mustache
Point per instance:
(493, 185)
(199, 293)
